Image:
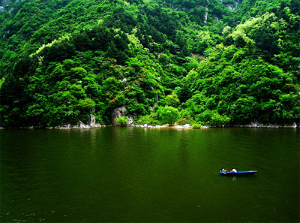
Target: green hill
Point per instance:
(217, 62)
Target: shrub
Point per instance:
(196, 126)
(123, 120)
(168, 115)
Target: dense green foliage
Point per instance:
(168, 115)
(214, 62)
(122, 120)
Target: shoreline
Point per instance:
(186, 126)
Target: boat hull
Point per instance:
(238, 173)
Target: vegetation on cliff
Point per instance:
(212, 62)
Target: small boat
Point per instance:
(238, 173)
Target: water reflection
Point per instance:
(137, 174)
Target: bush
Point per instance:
(196, 126)
(213, 118)
(123, 120)
(168, 115)
(148, 119)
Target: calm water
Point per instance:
(153, 175)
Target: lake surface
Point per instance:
(149, 175)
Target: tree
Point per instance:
(168, 115)
(213, 118)
(172, 100)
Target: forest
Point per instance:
(198, 62)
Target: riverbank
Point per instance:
(268, 125)
(186, 126)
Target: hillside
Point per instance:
(216, 62)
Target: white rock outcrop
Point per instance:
(118, 112)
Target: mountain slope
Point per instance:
(64, 60)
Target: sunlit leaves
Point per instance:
(168, 115)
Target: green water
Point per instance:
(149, 175)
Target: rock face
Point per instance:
(84, 126)
(93, 123)
(4, 5)
(118, 112)
(233, 6)
(93, 120)
(205, 16)
(130, 120)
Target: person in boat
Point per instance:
(224, 170)
(233, 170)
